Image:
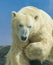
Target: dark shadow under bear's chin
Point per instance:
(35, 62)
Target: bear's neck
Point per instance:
(17, 43)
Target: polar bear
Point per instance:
(31, 35)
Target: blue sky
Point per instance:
(7, 6)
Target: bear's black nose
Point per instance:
(23, 38)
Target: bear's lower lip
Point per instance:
(23, 38)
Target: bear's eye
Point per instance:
(36, 17)
(20, 25)
(29, 26)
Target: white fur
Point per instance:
(39, 36)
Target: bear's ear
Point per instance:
(36, 17)
(13, 14)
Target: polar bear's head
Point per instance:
(23, 25)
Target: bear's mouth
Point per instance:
(23, 38)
